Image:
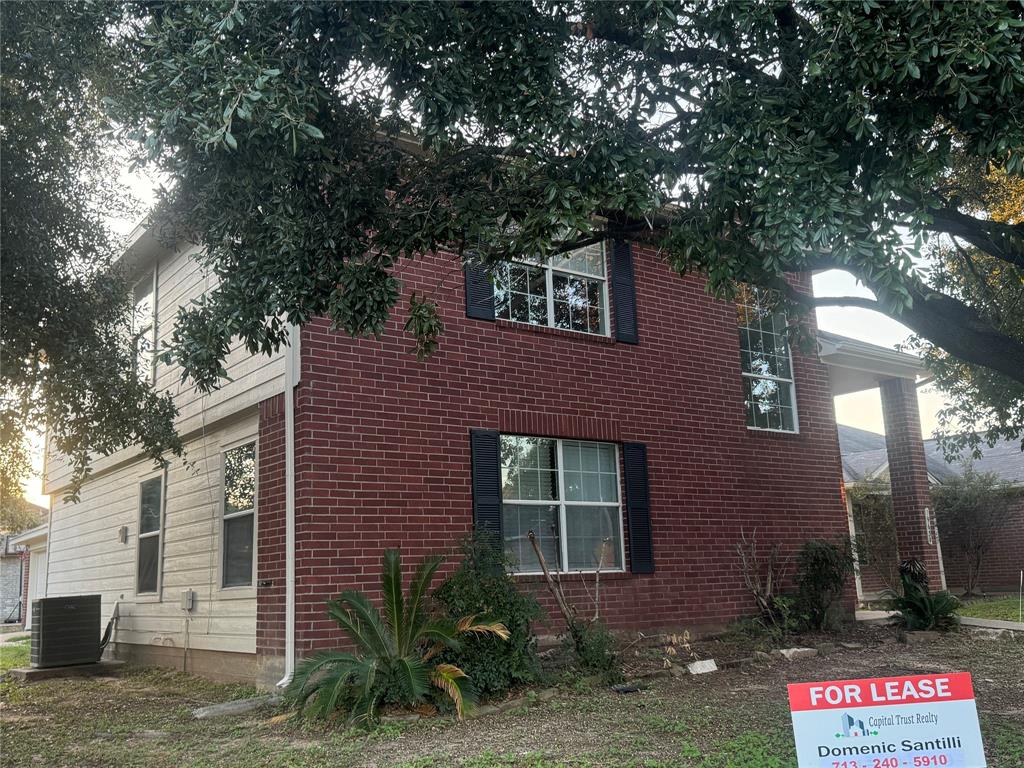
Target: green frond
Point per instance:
(415, 615)
(320, 681)
(414, 676)
(440, 631)
(373, 632)
(307, 670)
(394, 603)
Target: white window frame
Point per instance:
(563, 540)
(252, 440)
(155, 595)
(549, 287)
(151, 330)
(782, 380)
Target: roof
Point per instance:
(856, 365)
(36, 535)
(865, 458)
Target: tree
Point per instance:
(875, 543)
(65, 357)
(17, 515)
(313, 147)
(972, 510)
(982, 404)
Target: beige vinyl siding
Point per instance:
(252, 378)
(87, 557)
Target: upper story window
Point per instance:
(144, 327)
(150, 527)
(569, 291)
(567, 493)
(239, 516)
(766, 363)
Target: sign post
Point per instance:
(923, 721)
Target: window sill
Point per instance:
(537, 576)
(243, 592)
(549, 331)
(774, 431)
(148, 597)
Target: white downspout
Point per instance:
(292, 374)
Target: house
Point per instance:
(14, 563)
(601, 400)
(31, 545)
(865, 464)
(10, 581)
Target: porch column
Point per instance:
(916, 534)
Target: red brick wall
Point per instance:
(25, 607)
(383, 458)
(1000, 570)
(270, 544)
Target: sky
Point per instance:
(864, 409)
(860, 409)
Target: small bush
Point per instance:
(396, 654)
(822, 568)
(594, 646)
(482, 586)
(920, 609)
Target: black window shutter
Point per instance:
(624, 292)
(486, 484)
(479, 292)
(638, 507)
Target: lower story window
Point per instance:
(150, 514)
(567, 493)
(239, 515)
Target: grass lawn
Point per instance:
(736, 718)
(1005, 608)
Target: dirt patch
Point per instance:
(736, 717)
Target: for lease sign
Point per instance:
(923, 721)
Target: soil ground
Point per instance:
(735, 718)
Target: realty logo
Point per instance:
(853, 727)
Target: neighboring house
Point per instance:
(602, 401)
(14, 564)
(865, 462)
(32, 545)
(10, 581)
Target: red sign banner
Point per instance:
(873, 692)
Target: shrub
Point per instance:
(920, 609)
(483, 586)
(396, 659)
(822, 568)
(594, 646)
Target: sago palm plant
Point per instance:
(918, 608)
(392, 661)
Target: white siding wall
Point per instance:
(87, 557)
(252, 378)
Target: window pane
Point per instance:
(143, 301)
(240, 479)
(529, 468)
(149, 559)
(589, 259)
(769, 404)
(597, 476)
(593, 537)
(520, 293)
(517, 521)
(149, 505)
(238, 543)
(579, 303)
